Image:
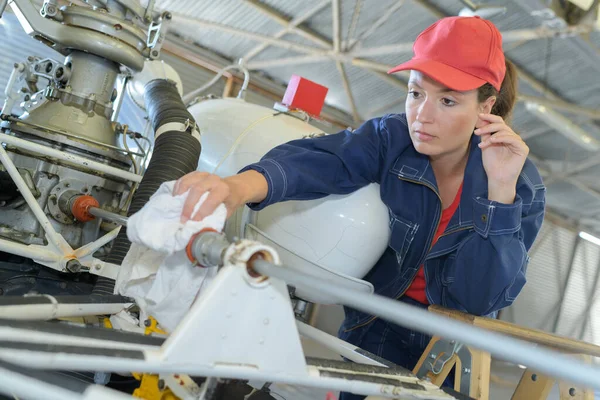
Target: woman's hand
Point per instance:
(504, 154)
(233, 191)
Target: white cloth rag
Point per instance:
(156, 271)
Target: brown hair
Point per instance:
(507, 97)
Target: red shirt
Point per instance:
(416, 290)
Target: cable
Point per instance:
(241, 94)
(135, 169)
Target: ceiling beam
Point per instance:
(288, 29)
(517, 35)
(348, 91)
(336, 34)
(282, 62)
(353, 24)
(285, 22)
(559, 104)
(249, 35)
(375, 26)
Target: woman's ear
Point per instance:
(486, 106)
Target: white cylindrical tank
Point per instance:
(337, 238)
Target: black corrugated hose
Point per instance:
(175, 154)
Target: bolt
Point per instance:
(118, 27)
(534, 377)
(168, 16)
(37, 68)
(154, 53)
(27, 98)
(572, 392)
(113, 96)
(466, 370)
(97, 267)
(67, 184)
(49, 67)
(161, 384)
(147, 322)
(433, 356)
(73, 266)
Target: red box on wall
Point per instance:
(305, 95)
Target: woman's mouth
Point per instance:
(424, 137)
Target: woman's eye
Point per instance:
(415, 95)
(448, 102)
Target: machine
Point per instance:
(71, 174)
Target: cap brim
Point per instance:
(445, 74)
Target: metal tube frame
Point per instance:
(51, 235)
(58, 252)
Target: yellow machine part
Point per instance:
(150, 386)
(150, 389)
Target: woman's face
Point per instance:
(441, 121)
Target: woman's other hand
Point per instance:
(504, 154)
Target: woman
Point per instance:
(465, 203)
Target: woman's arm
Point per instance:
(302, 169)
(341, 163)
(493, 260)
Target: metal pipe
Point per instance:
(111, 216)
(53, 237)
(37, 253)
(72, 158)
(10, 96)
(91, 248)
(39, 312)
(517, 351)
(22, 385)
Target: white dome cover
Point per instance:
(337, 238)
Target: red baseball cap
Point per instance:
(462, 53)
